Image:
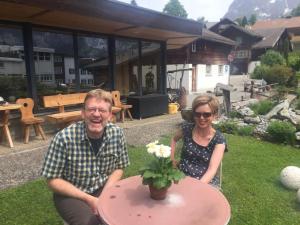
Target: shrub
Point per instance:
(235, 114)
(260, 71)
(272, 58)
(228, 127)
(262, 107)
(278, 74)
(281, 132)
(245, 130)
(294, 60)
(280, 93)
(297, 104)
(13, 86)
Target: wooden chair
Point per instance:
(27, 119)
(118, 103)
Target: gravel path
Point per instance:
(25, 164)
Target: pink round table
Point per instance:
(190, 202)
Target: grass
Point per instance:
(251, 184)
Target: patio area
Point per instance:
(23, 162)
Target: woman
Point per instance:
(203, 146)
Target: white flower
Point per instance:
(153, 149)
(163, 151)
(152, 144)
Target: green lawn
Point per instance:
(251, 170)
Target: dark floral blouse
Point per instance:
(195, 158)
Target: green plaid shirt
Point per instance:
(71, 157)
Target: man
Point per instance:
(85, 158)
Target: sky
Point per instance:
(212, 10)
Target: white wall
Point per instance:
(12, 66)
(252, 65)
(69, 64)
(204, 82)
(173, 79)
(207, 82)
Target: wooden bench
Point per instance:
(63, 118)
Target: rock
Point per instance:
(297, 135)
(298, 196)
(283, 105)
(290, 177)
(288, 114)
(297, 111)
(253, 120)
(245, 111)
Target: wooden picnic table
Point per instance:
(4, 116)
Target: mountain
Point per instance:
(264, 9)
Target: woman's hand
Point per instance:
(175, 163)
(93, 202)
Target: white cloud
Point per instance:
(212, 10)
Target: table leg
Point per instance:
(4, 114)
(7, 135)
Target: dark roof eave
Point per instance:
(118, 12)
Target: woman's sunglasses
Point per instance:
(204, 114)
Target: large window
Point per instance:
(12, 65)
(126, 66)
(151, 63)
(93, 63)
(53, 55)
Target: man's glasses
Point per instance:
(205, 115)
(94, 110)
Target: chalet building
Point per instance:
(251, 43)
(274, 38)
(244, 40)
(201, 64)
(95, 43)
(13, 63)
(291, 24)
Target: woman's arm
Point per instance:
(178, 135)
(214, 163)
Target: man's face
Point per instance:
(96, 114)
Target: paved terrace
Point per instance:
(23, 162)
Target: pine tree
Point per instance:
(252, 19)
(133, 2)
(174, 8)
(296, 11)
(244, 21)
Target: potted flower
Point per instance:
(159, 174)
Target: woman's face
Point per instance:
(203, 116)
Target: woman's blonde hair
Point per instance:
(204, 99)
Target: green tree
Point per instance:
(252, 19)
(174, 8)
(296, 11)
(244, 21)
(294, 60)
(202, 20)
(133, 2)
(271, 58)
(239, 21)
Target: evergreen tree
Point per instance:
(174, 8)
(239, 21)
(296, 11)
(133, 2)
(202, 20)
(252, 19)
(244, 21)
